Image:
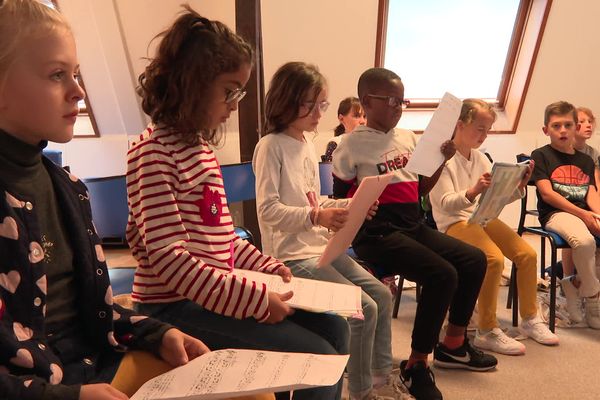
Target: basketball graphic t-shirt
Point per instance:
(570, 175)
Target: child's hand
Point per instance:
(178, 349)
(482, 183)
(333, 218)
(278, 308)
(448, 149)
(285, 273)
(101, 391)
(372, 210)
(527, 175)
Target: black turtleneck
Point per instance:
(26, 178)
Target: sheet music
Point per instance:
(228, 373)
(312, 294)
(505, 179)
(427, 157)
(369, 190)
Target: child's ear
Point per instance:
(545, 130)
(340, 117)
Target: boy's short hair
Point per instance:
(560, 108)
(374, 78)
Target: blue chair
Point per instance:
(326, 178)
(54, 155)
(108, 198)
(239, 181)
(121, 280)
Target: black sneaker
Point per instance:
(464, 357)
(419, 381)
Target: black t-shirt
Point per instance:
(570, 175)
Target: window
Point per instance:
(86, 123)
(484, 49)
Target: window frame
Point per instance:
(87, 110)
(526, 38)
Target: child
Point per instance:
(464, 178)
(569, 205)
(294, 223)
(62, 337)
(398, 241)
(180, 228)
(585, 130)
(350, 115)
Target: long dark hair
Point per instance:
(349, 104)
(287, 90)
(175, 86)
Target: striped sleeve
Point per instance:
(248, 257)
(172, 255)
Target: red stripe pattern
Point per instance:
(181, 233)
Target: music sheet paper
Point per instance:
(311, 294)
(368, 191)
(427, 157)
(230, 373)
(505, 179)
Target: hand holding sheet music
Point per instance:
(427, 157)
(311, 294)
(506, 178)
(368, 192)
(230, 373)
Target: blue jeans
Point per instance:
(371, 338)
(302, 332)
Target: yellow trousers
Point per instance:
(497, 240)
(138, 367)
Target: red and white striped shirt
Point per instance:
(181, 233)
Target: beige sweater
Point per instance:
(448, 200)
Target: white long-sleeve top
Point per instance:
(287, 189)
(448, 198)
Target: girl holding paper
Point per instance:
(453, 200)
(294, 222)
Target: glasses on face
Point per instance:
(234, 95)
(322, 106)
(392, 101)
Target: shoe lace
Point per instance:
(472, 350)
(395, 382)
(593, 307)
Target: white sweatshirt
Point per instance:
(448, 200)
(287, 189)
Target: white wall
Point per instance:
(337, 35)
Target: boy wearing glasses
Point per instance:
(449, 271)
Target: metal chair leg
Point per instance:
(515, 299)
(552, 321)
(398, 297)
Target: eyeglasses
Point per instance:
(234, 95)
(312, 106)
(392, 101)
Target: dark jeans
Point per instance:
(449, 271)
(303, 332)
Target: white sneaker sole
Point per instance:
(510, 352)
(453, 365)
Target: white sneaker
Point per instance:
(592, 312)
(393, 389)
(497, 341)
(537, 329)
(574, 302)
